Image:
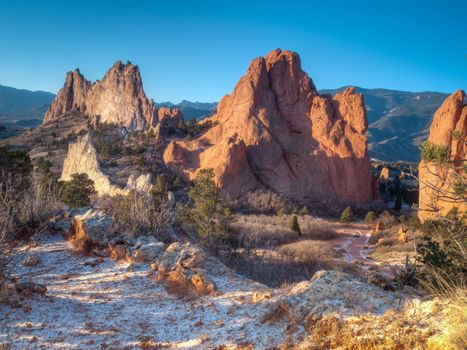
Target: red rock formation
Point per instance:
(274, 131)
(171, 117)
(72, 96)
(118, 98)
(436, 191)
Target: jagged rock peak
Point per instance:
(275, 132)
(118, 98)
(72, 96)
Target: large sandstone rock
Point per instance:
(275, 132)
(118, 98)
(436, 190)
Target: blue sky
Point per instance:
(197, 50)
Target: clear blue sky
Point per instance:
(197, 50)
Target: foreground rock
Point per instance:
(118, 98)
(91, 230)
(448, 130)
(276, 132)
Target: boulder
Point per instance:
(186, 283)
(92, 229)
(276, 132)
(28, 288)
(181, 255)
(31, 260)
(118, 251)
(147, 249)
(141, 183)
(403, 238)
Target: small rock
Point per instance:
(31, 261)
(28, 289)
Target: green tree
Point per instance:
(304, 211)
(347, 215)
(293, 225)
(159, 190)
(77, 192)
(370, 217)
(442, 250)
(15, 169)
(205, 211)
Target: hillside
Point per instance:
(399, 121)
(20, 109)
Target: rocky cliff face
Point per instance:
(118, 98)
(82, 158)
(276, 132)
(448, 130)
(72, 96)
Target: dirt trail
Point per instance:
(354, 247)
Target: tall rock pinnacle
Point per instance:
(118, 98)
(276, 132)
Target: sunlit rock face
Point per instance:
(448, 130)
(118, 98)
(276, 132)
(82, 158)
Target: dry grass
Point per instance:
(23, 215)
(267, 230)
(274, 254)
(261, 202)
(308, 250)
(391, 331)
(138, 214)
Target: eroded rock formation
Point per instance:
(72, 96)
(276, 132)
(82, 158)
(448, 130)
(118, 98)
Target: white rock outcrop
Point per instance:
(82, 158)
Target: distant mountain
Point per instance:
(23, 108)
(197, 110)
(398, 121)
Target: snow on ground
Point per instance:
(115, 305)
